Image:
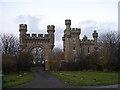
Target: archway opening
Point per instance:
(38, 57)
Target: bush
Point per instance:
(71, 65)
(24, 61)
(90, 62)
(93, 61)
(55, 59)
(9, 63)
(54, 66)
(113, 64)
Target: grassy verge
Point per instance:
(83, 78)
(11, 80)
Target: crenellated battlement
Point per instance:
(37, 36)
(76, 30)
(87, 41)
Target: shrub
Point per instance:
(24, 61)
(112, 64)
(9, 63)
(54, 65)
(90, 62)
(55, 59)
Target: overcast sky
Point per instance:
(88, 15)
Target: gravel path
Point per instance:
(43, 80)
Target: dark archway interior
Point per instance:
(38, 57)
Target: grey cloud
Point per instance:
(58, 36)
(32, 22)
(33, 26)
(88, 26)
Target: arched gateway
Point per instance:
(46, 42)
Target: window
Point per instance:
(73, 39)
(88, 50)
(73, 48)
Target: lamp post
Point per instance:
(1, 81)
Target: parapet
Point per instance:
(86, 41)
(76, 30)
(40, 36)
(28, 35)
(23, 26)
(34, 35)
(67, 22)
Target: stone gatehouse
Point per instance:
(45, 42)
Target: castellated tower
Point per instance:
(74, 46)
(23, 30)
(51, 30)
(95, 36)
(71, 41)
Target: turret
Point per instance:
(95, 36)
(23, 30)
(51, 30)
(84, 38)
(68, 23)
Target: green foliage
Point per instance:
(11, 80)
(83, 78)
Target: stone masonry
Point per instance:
(74, 46)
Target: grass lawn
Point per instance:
(11, 80)
(84, 78)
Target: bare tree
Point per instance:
(10, 44)
(38, 55)
(111, 39)
(108, 50)
(55, 59)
